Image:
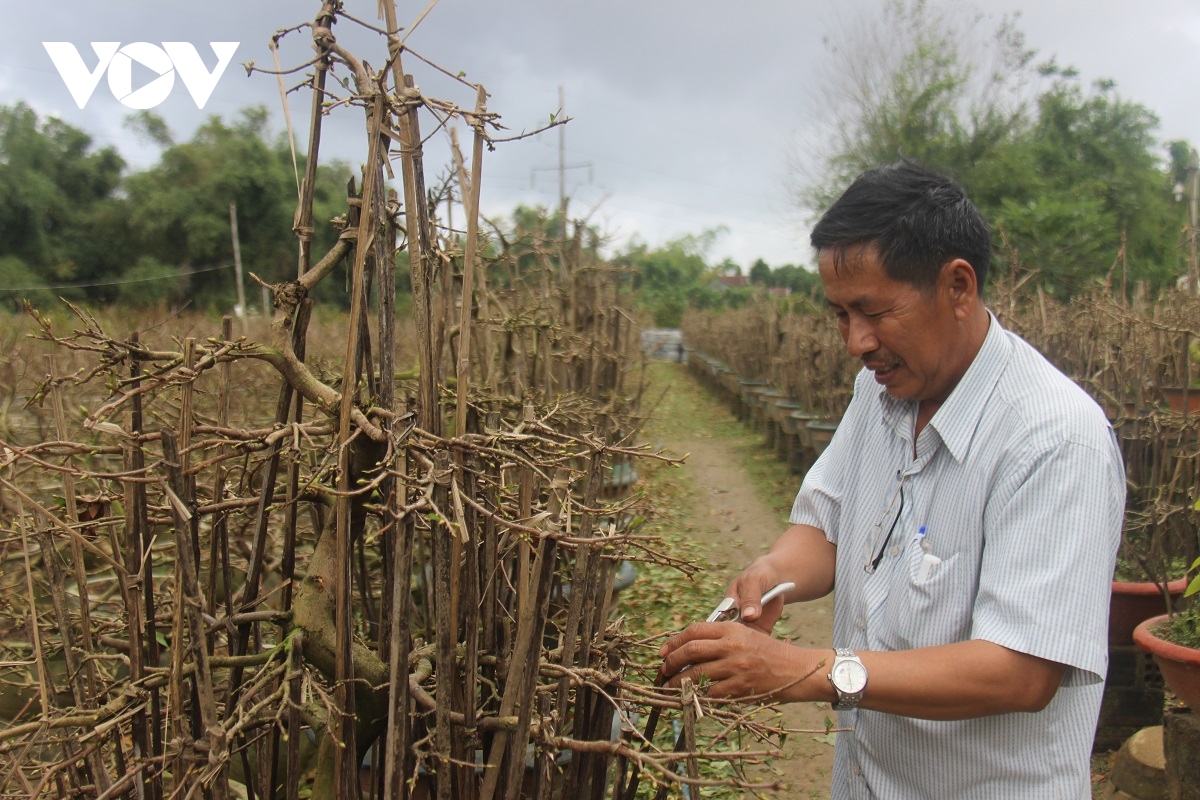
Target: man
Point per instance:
(967, 512)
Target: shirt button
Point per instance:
(895, 551)
(862, 623)
(857, 770)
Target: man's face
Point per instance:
(908, 337)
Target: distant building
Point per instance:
(723, 283)
(664, 344)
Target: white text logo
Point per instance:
(164, 61)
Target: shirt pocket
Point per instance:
(929, 603)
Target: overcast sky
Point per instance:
(684, 111)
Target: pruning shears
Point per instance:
(729, 611)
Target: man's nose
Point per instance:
(860, 338)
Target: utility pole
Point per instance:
(1193, 190)
(562, 168)
(237, 261)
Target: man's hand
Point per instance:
(747, 590)
(741, 661)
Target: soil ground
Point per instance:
(732, 501)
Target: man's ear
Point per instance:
(959, 282)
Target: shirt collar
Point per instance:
(957, 418)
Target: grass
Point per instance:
(663, 600)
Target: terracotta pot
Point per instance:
(1174, 398)
(1133, 602)
(822, 434)
(1180, 666)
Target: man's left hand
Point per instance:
(739, 661)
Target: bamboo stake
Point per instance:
(346, 762)
(144, 558)
(76, 682)
(398, 739)
(189, 599)
(470, 192)
(218, 547)
(446, 672)
(518, 692)
(77, 558)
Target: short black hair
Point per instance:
(916, 219)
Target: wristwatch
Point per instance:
(849, 679)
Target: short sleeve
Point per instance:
(819, 501)
(1051, 534)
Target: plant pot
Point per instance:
(822, 434)
(800, 420)
(1133, 602)
(782, 413)
(1180, 666)
(1175, 400)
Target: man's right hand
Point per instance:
(802, 555)
(748, 588)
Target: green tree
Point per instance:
(57, 199)
(1063, 175)
(760, 274)
(919, 81)
(800, 280)
(667, 278)
(180, 208)
(1096, 177)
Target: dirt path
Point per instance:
(730, 514)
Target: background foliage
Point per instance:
(1071, 175)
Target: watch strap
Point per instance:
(846, 700)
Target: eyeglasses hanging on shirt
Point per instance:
(873, 563)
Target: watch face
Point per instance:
(849, 676)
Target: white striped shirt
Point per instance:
(1014, 500)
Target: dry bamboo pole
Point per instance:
(189, 599)
(518, 690)
(303, 228)
(83, 688)
(526, 488)
(420, 260)
(218, 547)
(346, 762)
(471, 605)
(494, 589)
(295, 682)
(384, 253)
(77, 684)
(573, 643)
(470, 189)
(188, 494)
(45, 695)
(445, 672)
(77, 559)
(177, 763)
(143, 643)
(396, 758)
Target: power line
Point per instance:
(111, 283)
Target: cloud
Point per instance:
(687, 113)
